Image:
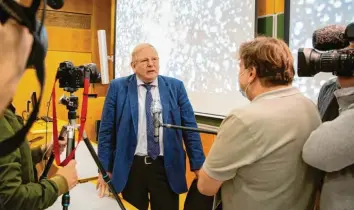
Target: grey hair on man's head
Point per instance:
(139, 48)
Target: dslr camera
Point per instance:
(338, 62)
(72, 77)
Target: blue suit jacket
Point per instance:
(119, 127)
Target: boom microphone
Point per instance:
(338, 57)
(330, 37)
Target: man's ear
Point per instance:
(252, 74)
(132, 64)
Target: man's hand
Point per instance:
(48, 149)
(69, 173)
(102, 186)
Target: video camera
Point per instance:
(336, 58)
(72, 77)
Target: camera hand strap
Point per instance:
(82, 122)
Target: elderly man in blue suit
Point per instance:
(141, 168)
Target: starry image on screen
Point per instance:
(196, 41)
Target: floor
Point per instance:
(182, 198)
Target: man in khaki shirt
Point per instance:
(256, 157)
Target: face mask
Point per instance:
(243, 92)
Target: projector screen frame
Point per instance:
(196, 113)
(287, 14)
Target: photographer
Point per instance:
(330, 147)
(19, 188)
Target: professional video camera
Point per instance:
(330, 53)
(72, 77)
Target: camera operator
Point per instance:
(330, 147)
(20, 188)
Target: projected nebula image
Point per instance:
(196, 39)
(307, 16)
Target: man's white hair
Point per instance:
(139, 48)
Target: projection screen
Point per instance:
(196, 40)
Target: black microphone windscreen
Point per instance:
(329, 38)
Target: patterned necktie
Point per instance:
(152, 146)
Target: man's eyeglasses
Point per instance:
(146, 61)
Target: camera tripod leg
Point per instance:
(105, 176)
(71, 145)
(65, 200)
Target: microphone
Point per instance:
(332, 37)
(156, 109)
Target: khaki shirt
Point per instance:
(257, 153)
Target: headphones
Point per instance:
(26, 16)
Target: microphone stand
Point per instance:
(156, 110)
(217, 197)
(178, 127)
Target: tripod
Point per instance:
(71, 103)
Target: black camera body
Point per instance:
(338, 62)
(73, 77)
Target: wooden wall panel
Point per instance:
(113, 26)
(95, 110)
(69, 39)
(74, 6)
(101, 20)
(27, 85)
(279, 6)
(68, 20)
(207, 141)
(265, 7)
(270, 7)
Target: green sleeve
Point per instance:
(18, 196)
(37, 154)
